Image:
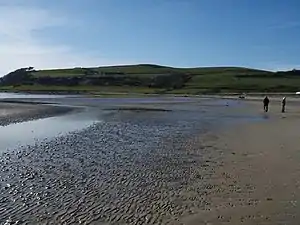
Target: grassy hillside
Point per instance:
(146, 78)
(145, 69)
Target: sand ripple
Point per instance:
(114, 172)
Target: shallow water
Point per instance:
(7, 95)
(133, 167)
(30, 132)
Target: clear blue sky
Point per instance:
(184, 33)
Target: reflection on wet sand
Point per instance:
(131, 168)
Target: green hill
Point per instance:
(148, 78)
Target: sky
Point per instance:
(260, 34)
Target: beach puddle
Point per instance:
(30, 96)
(30, 132)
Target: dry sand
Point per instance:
(259, 179)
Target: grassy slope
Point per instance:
(211, 79)
(149, 70)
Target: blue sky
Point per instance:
(184, 33)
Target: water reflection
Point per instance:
(15, 135)
(4, 95)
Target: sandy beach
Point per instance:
(258, 181)
(180, 165)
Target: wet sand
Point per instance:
(160, 167)
(131, 168)
(258, 181)
(11, 112)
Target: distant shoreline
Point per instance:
(231, 95)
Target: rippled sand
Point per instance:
(121, 171)
(131, 168)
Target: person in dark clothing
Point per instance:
(266, 103)
(283, 102)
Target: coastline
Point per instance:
(237, 173)
(230, 95)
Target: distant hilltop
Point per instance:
(151, 79)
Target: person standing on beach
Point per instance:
(283, 102)
(266, 103)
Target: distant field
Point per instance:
(149, 70)
(153, 79)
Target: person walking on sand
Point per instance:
(266, 103)
(283, 102)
